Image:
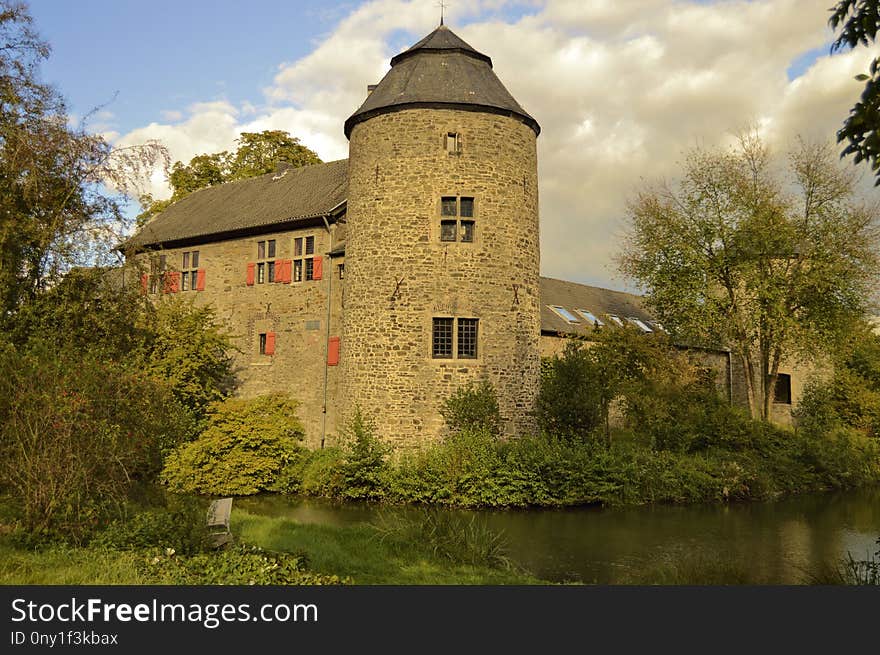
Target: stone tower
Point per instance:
(442, 251)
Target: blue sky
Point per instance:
(622, 88)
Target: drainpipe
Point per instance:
(729, 377)
(327, 334)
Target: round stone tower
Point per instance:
(442, 251)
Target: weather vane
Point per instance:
(442, 6)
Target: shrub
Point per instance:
(569, 403)
(244, 449)
(363, 464)
(75, 433)
(179, 524)
(240, 565)
(473, 407)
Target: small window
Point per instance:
(341, 269)
(453, 143)
(467, 338)
(590, 317)
(639, 324)
(270, 266)
(564, 313)
(782, 391)
(441, 342)
(457, 218)
(270, 246)
(616, 320)
(189, 271)
(261, 250)
(303, 250)
(265, 269)
(262, 343)
(261, 273)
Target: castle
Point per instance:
(388, 280)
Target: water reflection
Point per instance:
(785, 542)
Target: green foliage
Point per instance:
(456, 538)
(179, 525)
(89, 310)
(241, 565)
(75, 432)
(185, 346)
(850, 397)
(55, 212)
(569, 404)
(243, 451)
(363, 464)
(857, 21)
(473, 407)
(775, 266)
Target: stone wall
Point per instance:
(295, 312)
(400, 275)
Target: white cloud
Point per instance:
(621, 88)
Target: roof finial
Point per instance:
(442, 6)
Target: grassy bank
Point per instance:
(295, 553)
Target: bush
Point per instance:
(473, 407)
(569, 402)
(363, 464)
(178, 525)
(75, 433)
(244, 450)
(240, 565)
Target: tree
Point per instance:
(257, 153)
(774, 265)
(858, 21)
(55, 211)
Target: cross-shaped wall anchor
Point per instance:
(397, 288)
(515, 294)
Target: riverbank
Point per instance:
(473, 470)
(297, 554)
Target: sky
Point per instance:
(622, 88)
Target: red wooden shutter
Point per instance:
(175, 282)
(270, 343)
(288, 271)
(333, 351)
(318, 269)
(250, 274)
(279, 271)
(200, 280)
(145, 282)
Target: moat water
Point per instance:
(789, 541)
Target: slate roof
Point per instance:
(440, 70)
(295, 194)
(573, 296)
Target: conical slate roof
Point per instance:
(440, 71)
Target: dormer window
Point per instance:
(457, 219)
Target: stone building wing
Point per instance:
(440, 71)
(573, 297)
(272, 201)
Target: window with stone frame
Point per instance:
(265, 261)
(452, 143)
(304, 258)
(454, 338)
(782, 390)
(457, 219)
(189, 272)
